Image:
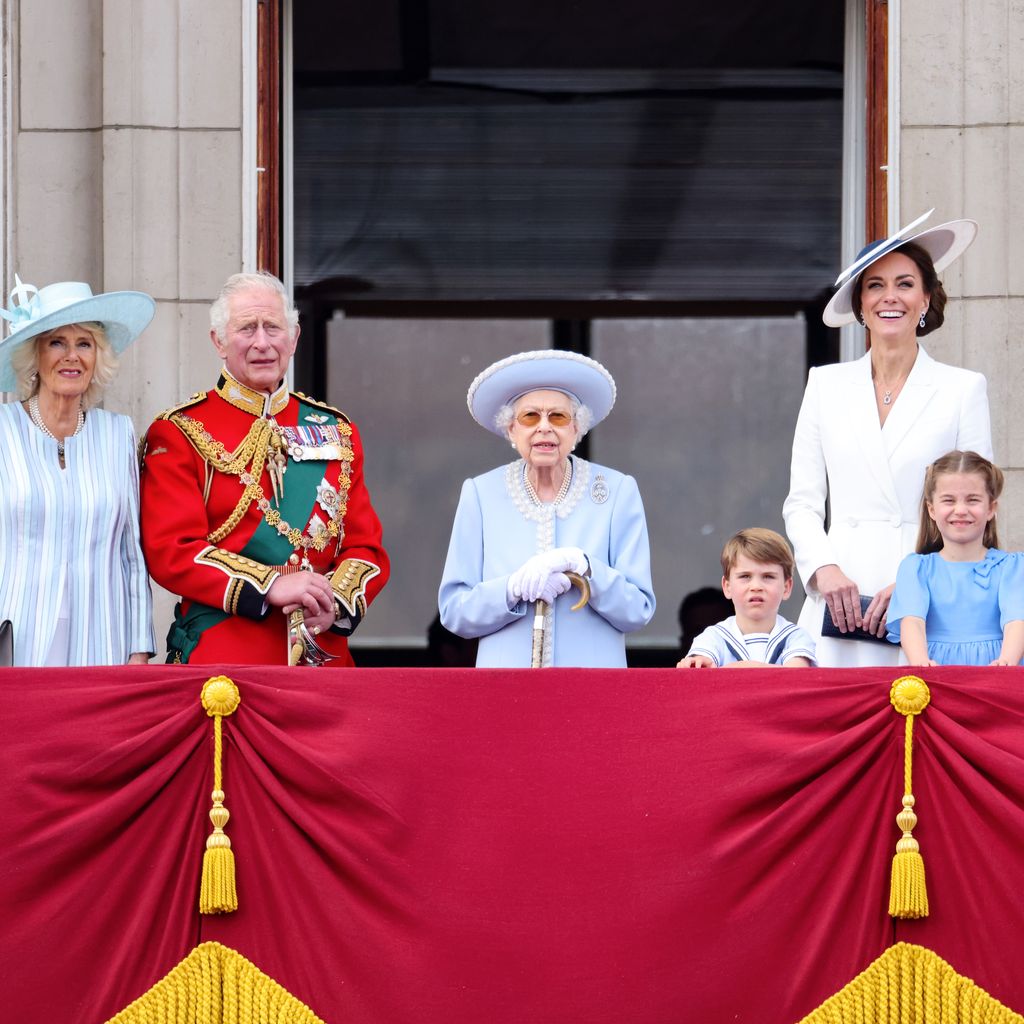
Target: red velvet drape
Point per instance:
(469, 845)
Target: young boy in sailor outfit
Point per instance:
(757, 576)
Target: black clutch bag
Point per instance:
(830, 629)
(6, 644)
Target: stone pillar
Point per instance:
(127, 168)
(961, 82)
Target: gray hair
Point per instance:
(581, 414)
(25, 363)
(220, 311)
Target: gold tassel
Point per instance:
(217, 894)
(908, 895)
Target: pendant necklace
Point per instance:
(887, 396)
(37, 418)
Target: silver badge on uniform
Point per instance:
(327, 497)
(599, 490)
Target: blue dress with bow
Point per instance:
(965, 605)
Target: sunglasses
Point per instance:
(557, 418)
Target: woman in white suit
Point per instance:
(866, 432)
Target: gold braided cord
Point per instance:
(252, 450)
(253, 491)
(908, 755)
(214, 452)
(216, 985)
(910, 983)
(218, 752)
(250, 493)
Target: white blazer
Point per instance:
(873, 477)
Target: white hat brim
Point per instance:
(544, 370)
(124, 315)
(945, 243)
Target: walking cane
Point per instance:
(540, 616)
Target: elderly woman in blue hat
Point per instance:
(74, 583)
(521, 528)
(867, 430)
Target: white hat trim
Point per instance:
(598, 392)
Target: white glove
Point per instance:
(558, 583)
(529, 581)
(567, 560)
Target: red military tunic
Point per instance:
(215, 530)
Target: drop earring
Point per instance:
(921, 322)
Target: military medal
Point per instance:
(319, 443)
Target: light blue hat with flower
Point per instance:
(33, 311)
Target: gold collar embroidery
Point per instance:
(256, 403)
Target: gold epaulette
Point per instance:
(167, 414)
(194, 400)
(321, 405)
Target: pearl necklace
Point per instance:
(37, 418)
(562, 491)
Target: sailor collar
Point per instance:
(256, 403)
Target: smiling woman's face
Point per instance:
(892, 297)
(67, 360)
(543, 428)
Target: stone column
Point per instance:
(127, 150)
(961, 82)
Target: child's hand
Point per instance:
(695, 661)
(1004, 662)
(929, 663)
(747, 664)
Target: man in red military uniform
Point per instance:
(253, 502)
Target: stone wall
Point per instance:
(961, 93)
(126, 135)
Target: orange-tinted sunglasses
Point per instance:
(530, 418)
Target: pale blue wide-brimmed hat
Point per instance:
(545, 370)
(34, 311)
(944, 243)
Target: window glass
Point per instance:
(704, 420)
(404, 383)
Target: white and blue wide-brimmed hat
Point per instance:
(34, 311)
(545, 370)
(944, 243)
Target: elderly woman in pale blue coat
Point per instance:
(74, 581)
(521, 527)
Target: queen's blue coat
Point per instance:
(498, 526)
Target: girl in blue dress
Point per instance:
(959, 600)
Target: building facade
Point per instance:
(131, 160)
